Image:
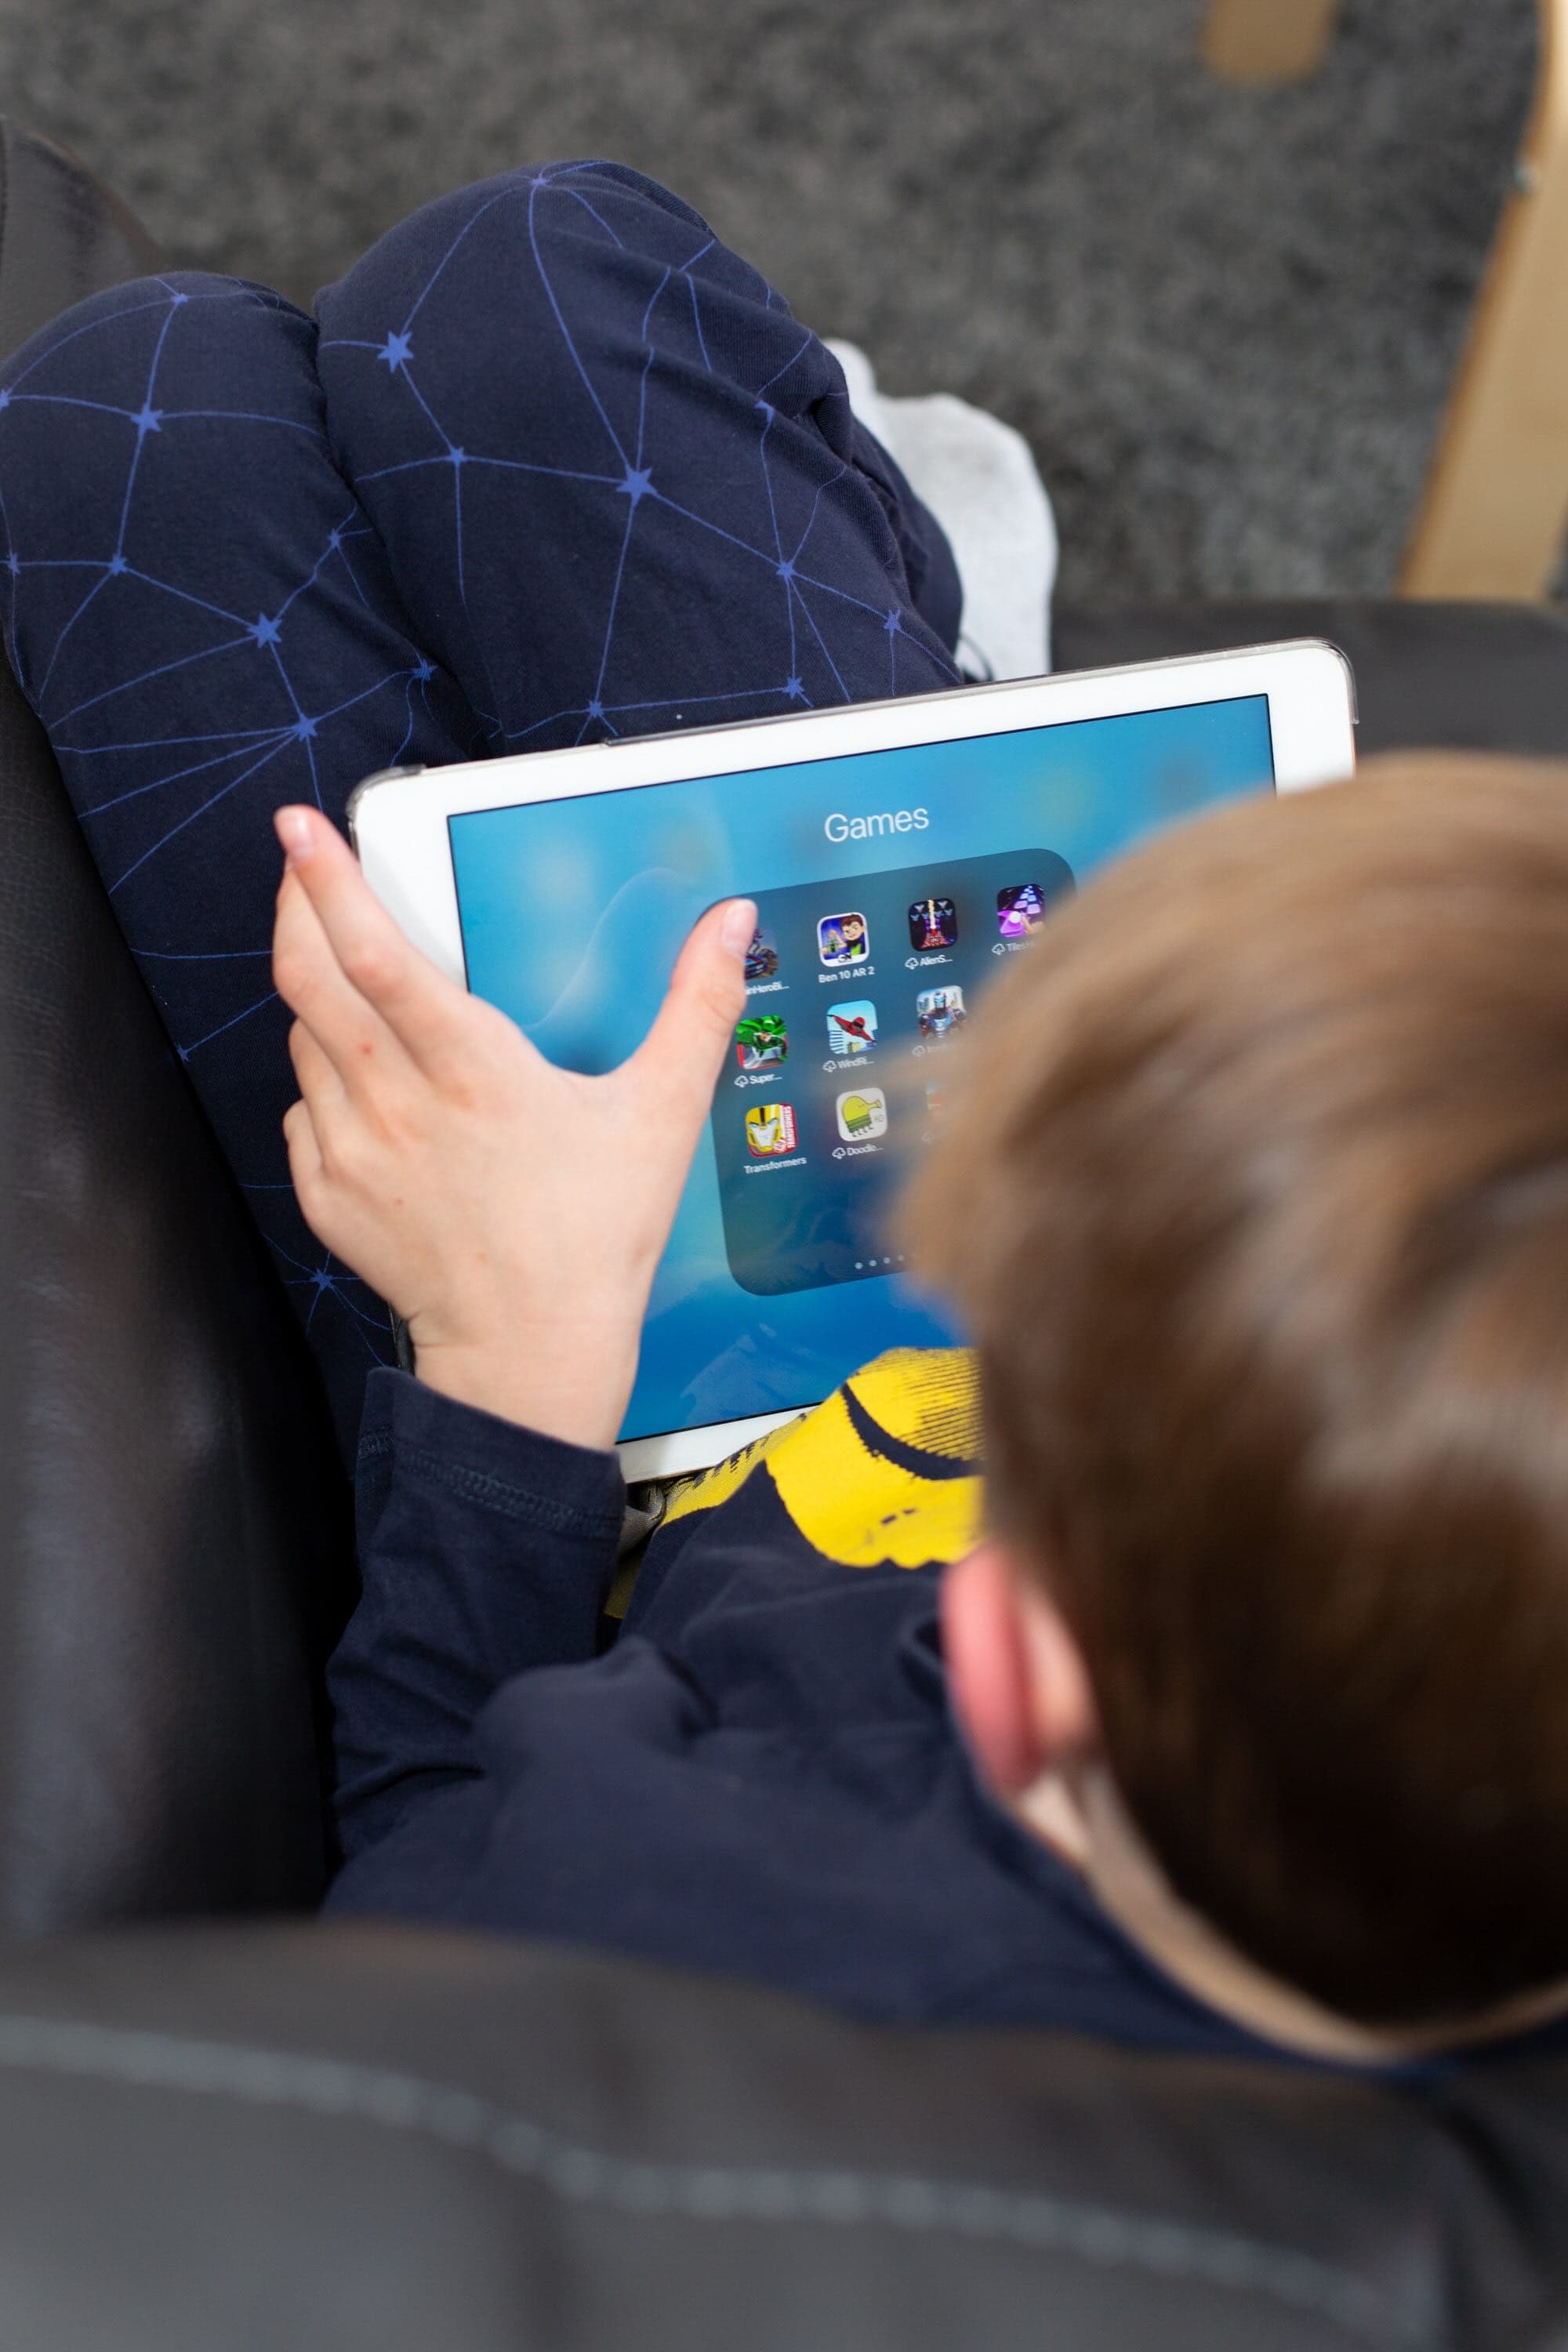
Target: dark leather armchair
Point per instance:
(260, 2132)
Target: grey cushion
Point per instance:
(339, 2140)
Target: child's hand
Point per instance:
(512, 1212)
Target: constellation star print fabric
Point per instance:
(549, 465)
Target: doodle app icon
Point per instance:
(843, 940)
(940, 1011)
(1020, 909)
(934, 923)
(862, 1115)
(770, 1129)
(761, 1041)
(852, 1027)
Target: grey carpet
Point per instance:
(1225, 320)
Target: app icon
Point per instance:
(940, 1011)
(770, 1129)
(761, 1041)
(843, 938)
(1020, 909)
(852, 1027)
(934, 923)
(936, 1100)
(763, 955)
(862, 1114)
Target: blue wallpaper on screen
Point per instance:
(573, 913)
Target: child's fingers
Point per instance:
(308, 978)
(317, 1072)
(416, 1002)
(680, 1056)
(304, 1149)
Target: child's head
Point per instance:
(1255, 1201)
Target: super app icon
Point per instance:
(761, 1041)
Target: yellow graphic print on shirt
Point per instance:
(887, 1470)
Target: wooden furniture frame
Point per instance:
(1493, 513)
(1267, 40)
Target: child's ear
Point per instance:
(1018, 1679)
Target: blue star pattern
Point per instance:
(549, 465)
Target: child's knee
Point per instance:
(476, 250)
(121, 436)
(502, 291)
(82, 400)
(562, 320)
(131, 343)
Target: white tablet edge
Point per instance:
(398, 819)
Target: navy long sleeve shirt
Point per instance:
(761, 1777)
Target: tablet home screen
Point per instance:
(891, 887)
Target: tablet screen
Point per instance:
(891, 887)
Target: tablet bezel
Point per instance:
(398, 819)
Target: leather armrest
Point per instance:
(173, 1546)
(1471, 678)
(63, 234)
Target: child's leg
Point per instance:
(554, 465)
(621, 487)
(204, 620)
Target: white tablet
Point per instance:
(899, 853)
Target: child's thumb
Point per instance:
(681, 1054)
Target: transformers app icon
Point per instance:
(863, 1115)
(770, 1130)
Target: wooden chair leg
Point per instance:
(1495, 504)
(1267, 40)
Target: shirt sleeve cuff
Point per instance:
(413, 1431)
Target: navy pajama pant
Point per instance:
(549, 465)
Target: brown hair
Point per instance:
(1255, 1199)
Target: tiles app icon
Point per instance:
(1020, 910)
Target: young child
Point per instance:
(1233, 1720)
